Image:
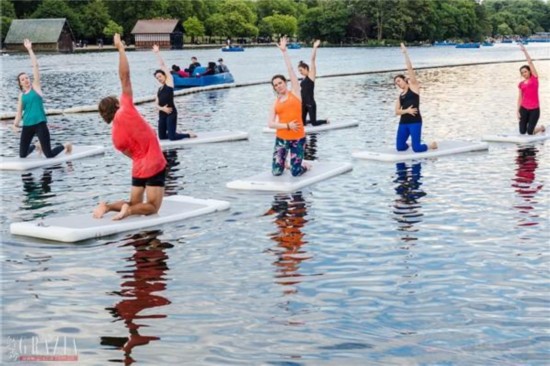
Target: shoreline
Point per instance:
(178, 93)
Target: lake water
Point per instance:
(438, 262)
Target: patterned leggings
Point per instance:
(280, 152)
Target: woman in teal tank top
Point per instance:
(30, 108)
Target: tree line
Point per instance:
(334, 21)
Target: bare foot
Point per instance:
(192, 135)
(307, 166)
(100, 210)
(38, 148)
(328, 121)
(540, 129)
(433, 145)
(68, 148)
(124, 212)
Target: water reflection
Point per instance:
(171, 184)
(36, 190)
(143, 276)
(310, 151)
(526, 185)
(407, 206)
(290, 212)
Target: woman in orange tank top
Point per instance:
(286, 117)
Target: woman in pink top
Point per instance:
(135, 138)
(528, 99)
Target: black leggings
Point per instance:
(43, 134)
(167, 127)
(312, 110)
(528, 120)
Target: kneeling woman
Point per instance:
(407, 106)
(286, 117)
(168, 114)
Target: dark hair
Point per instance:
(400, 76)
(107, 108)
(211, 65)
(527, 68)
(159, 71)
(175, 68)
(303, 65)
(193, 58)
(19, 81)
(278, 76)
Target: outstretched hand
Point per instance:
(28, 44)
(522, 47)
(403, 48)
(155, 48)
(282, 43)
(117, 42)
(316, 43)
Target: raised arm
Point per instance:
(313, 67)
(413, 82)
(123, 66)
(529, 61)
(169, 78)
(293, 78)
(35, 72)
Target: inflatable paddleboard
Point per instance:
(287, 183)
(80, 227)
(389, 154)
(36, 160)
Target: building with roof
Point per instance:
(54, 35)
(166, 33)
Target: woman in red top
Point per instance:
(286, 117)
(135, 138)
(528, 100)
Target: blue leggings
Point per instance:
(280, 152)
(415, 131)
(167, 127)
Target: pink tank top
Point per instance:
(530, 93)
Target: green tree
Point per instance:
(504, 29)
(128, 12)
(241, 7)
(523, 30)
(95, 18)
(193, 28)
(8, 14)
(59, 9)
(280, 25)
(328, 21)
(112, 28)
(215, 25)
(267, 8)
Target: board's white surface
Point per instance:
(324, 127)
(84, 226)
(286, 182)
(206, 137)
(516, 138)
(36, 160)
(389, 154)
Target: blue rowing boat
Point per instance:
(468, 45)
(198, 80)
(233, 49)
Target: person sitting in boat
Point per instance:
(222, 67)
(177, 71)
(193, 65)
(211, 69)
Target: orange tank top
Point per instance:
(290, 110)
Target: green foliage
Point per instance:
(8, 14)
(243, 8)
(193, 28)
(267, 8)
(112, 28)
(521, 16)
(60, 9)
(279, 25)
(327, 22)
(215, 25)
(95, 17)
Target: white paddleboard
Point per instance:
(206, 137)
(35, 160)
(324, 127)
(70, 229)
(517, 138)
(389, 154)
(286, 182)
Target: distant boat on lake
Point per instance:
(468, 45)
